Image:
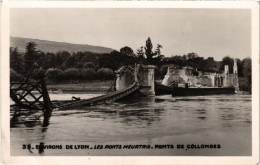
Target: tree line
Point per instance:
(94, 66)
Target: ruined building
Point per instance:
(184, 75)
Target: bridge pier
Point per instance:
(146, 79)
(124, 78)
(143, 74)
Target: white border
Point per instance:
(7, 159)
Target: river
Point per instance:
(214, 125)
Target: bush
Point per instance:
(38, 73)
(79, 65)
(71, 73)
(244, 84)
(105, 74)
(53, 74)
(88, 74)
(89, 65)
(14, 76)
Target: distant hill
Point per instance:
(53, 46)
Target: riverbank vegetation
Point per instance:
(64, 67)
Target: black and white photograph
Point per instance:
(131, 81)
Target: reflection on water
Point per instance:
(222, 119)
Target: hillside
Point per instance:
(53, 46)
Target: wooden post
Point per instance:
(47, 104)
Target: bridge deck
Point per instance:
(101, 99)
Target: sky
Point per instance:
(208, 32)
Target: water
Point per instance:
(220, 120)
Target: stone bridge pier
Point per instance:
(146, 79)
(144, 74)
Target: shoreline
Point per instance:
(81, 87)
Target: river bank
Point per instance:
(99, 86)
(81, 87)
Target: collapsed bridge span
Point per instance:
(101, 99)
(129, 79)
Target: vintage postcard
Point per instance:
(130, 82)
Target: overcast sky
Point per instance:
(207, 32)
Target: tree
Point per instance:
(50, 61)
(158, 54)
(114, 60)
(210, 65)
(53, 74)
(240, 68)
(247, 71)
(59, 61)
(90, 57)
(89, 65)
(197, 62)
(140, 55)
(14, 76)
(158, 50)
(30, 56)
(38, 73)
(71, 73)
(16, 60)
(227, 61)
(177, 60)
(149, 50)
(127, 51)
(192, 55)
(64, 55)
(88, 74)
(111, 60)
(71, 62)
(105, 74)
(140, 52)
(247, 65)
